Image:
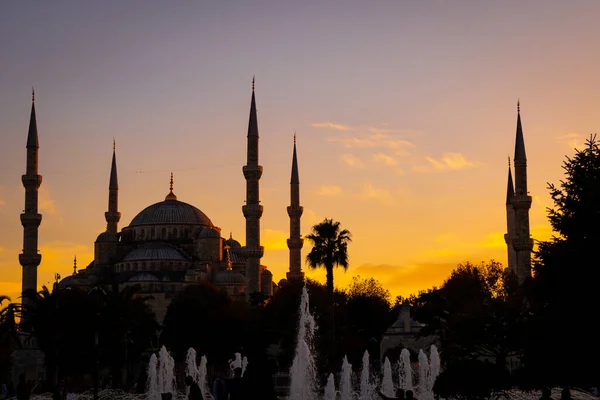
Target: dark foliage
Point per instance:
(471, 379)
(564, 302)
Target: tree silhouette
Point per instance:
(478, 313)
(566, 275)
(330, 249)
(9, 340)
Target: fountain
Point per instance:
(161, 376)
(405, 371)
(238, 362)
(330, 391)
(346, 380)
(366, 388)
(387, 384)
(303, 371)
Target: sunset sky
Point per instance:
(405, 113)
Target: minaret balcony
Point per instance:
(31, 219)
(295, 211)
(295, 243)
(521, 201)
(523, 244)
(252, 172)
(112, 216)
(253, 252)
(31, 180)
(30, 260)
(252, 210)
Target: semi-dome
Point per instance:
(154, 251)
(229, 278)
(107, 236)
(171, 212)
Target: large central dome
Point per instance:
(171, 212)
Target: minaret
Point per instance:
(252, 210)
(30, 218)
(509, 237)
(295, 242)
(521, 202)
(113, 215)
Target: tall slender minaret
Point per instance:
(30, 218)
(252, 210)
(509, 237)
(295, 242)
(113, 215)
(521, 202)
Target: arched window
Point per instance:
(186, 233)
(175, 233)
(152, 233)
(143, 234)
(164, 233)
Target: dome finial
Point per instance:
(32, 95)
(171, 195)
(230, 235)
(294, 137)
(508, 161)
(253, 78)
(518, 106)
(227, 247)
(75, 265)
(114, 144)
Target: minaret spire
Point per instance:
(295, 242)
(510, 190)
(113, 216)
(521, 203)
(509, 237)
(252, 210)
(30, 218)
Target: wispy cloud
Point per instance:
(449, 161)
(351, 160)
(572, 139)
(385, 159)
(326, 190)
(379, 195)
(374, 140)
(46, 203)
(339, 127)
(368, 136)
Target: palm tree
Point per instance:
(9, 338)
(330, 249)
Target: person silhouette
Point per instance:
(410, 395)
(546, 394)
(195, 392)
(399, 395)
